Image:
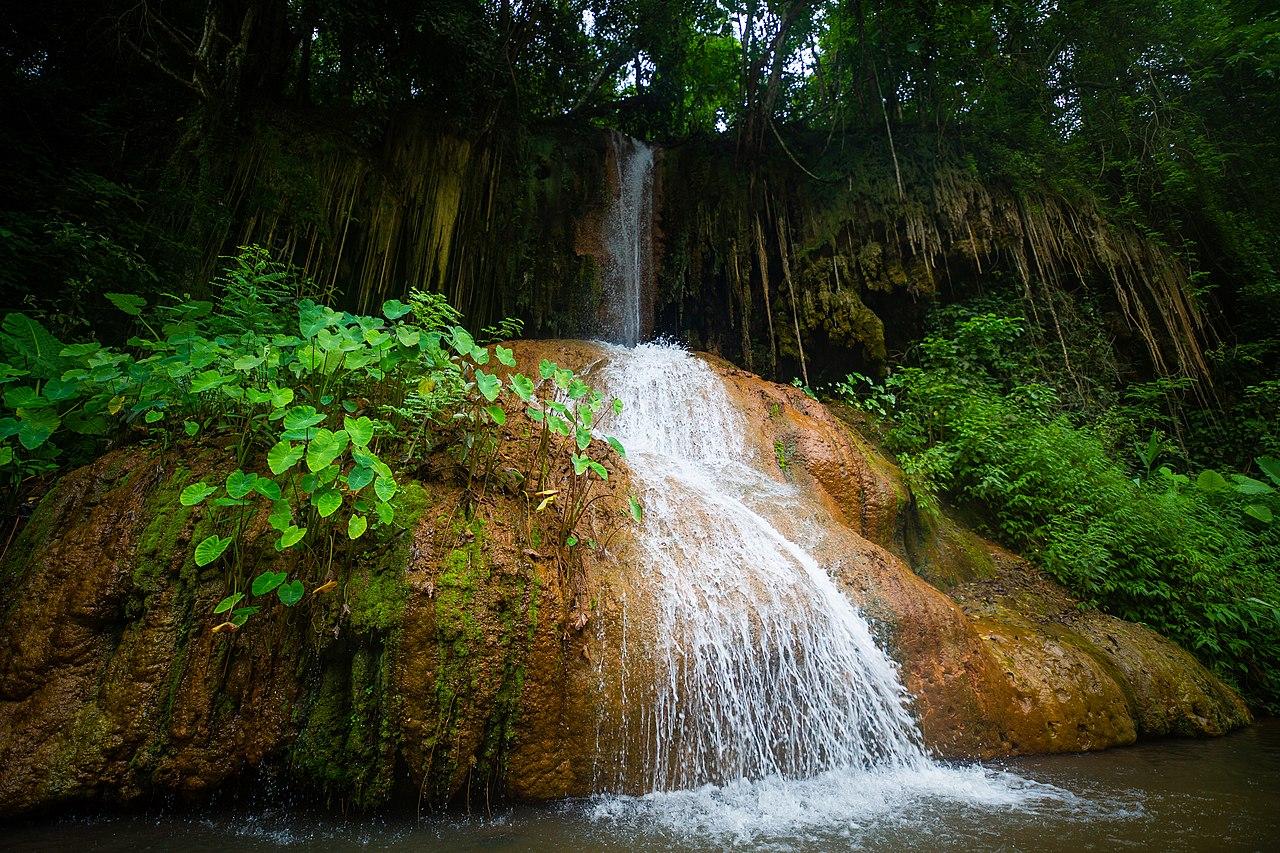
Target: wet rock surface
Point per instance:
(460, 659)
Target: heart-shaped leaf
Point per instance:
(290, 536)
(291, 593)
(359, 430)
(240, 484)
(267, 581)
(196, 493)
(394, 309)
(327, 502)
(211, 548)
(488, 385)
(505, 356)
(359, 477)
(356, 526)
(522, 385)
(229, 602)
(385, 488)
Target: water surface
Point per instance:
(1219, 794)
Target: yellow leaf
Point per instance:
(324, 587)
(225, 626)
(549, 499)
(117, 403)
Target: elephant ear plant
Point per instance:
(316, 404)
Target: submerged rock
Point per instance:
(458, 657)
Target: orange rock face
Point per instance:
(470, 658)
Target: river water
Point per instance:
(1218, 794)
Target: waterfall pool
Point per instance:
(1220, 794)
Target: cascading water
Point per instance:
(772, 703)
(628, 240)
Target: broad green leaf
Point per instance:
(579, 463)
(153, 416)
(281, 517)
(267, 581)
(190, 428)
(498, 414)
(1211, 481)
(408, 337)
(394, 309)
(281, 397)
(617, 406)
(1260, 512)
(211, 548)
(241, 615)
(240, 484)
(505, 356)
(290, 536)
(599, 470)
(522, 385)
(6, 456)
(617, 446)
(384, 488)
(356, 526)
(35, 426)
(1270, 467)
(301, 417)
(578, 389)
(1249, 486)
(462, 340)
(283, 456)
(360, 430)
(386, 512)
(291, 593)
(359, 477)
(35, 343)
(229, 602)
(196, 493)
(559, 425)
(247, 362)
(267, 487)
(488, 385)
(127, 302)
(325, 447)
(582, 436)
(327, 502)
(25, 397)
(535, 415)
(207, 381)
(547, 369)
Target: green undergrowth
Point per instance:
(1195, 557)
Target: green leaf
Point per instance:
(281, 517)
(559, 425)
(480, 355)
(207, 381)
(488, 385)
(241, 616)
(498, 414)
(505, 356)
(281, 397)
(325, 447)
(617, 446)
(291, 593)
(6, 456)
(190, 428)
(578, 389)
(394, 309)
(579, 463)
(35, 343)
(127, 302)
(599, 470)
(359, 477)
(386, 512)
(290, 536)
(327, 502)
(229, 602)
(359, 429)
(268, 488)
(153, 416)
(582, 436)
(571, 540)
(1260, 512)
(35, 426)
(356, 526)
(267, 581)
(462, 340)
(547, 369)
(1211, 481)
(1249, 486)
(1270, 467)
(301, 417)
(211, 548)
(196, 493)
(384, 488)
(617, 406)
(637, 510)
(522, 385)
(534, 415)
(283, 456)
(246, 362)
(240, 484)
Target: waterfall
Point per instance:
(765, 667)
(772, 706)
(628, 240)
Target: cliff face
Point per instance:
(458, 658)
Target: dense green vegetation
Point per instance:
(1122, 522)
(1094, 184)
(322, 403)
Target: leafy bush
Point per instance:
(1193, 559)
(318, 405)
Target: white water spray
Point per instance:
(628, 240)
(774, 707)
